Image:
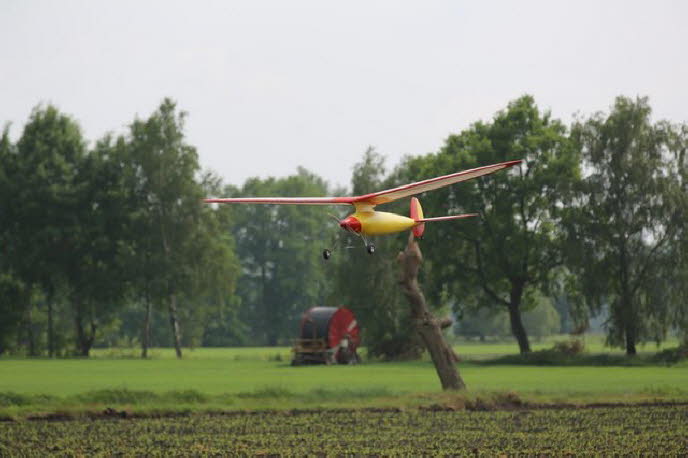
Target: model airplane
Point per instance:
(366, 221)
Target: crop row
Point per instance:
(635, 430)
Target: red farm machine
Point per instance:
(328, 335)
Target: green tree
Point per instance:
(84, 233)
(214, 271)
(483, 323)
(679, 316)
(516, 243)
(169, 203)
(11, 291)
(10, 286)
(541, 318)
(279, 247)
(98, 275)
(628, 222)
(68, 227)
(47, 225)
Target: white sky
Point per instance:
(271, 85)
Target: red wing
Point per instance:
(375, 198)
(283, 200)
(390, 195)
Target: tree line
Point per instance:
(110, 244)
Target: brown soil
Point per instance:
(477, 405)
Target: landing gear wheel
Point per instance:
(370, 248)
(326, 254)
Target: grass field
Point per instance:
(259, 378)
(217, 376)
(471, 350)
(250, 401)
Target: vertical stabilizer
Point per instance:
(416, 214)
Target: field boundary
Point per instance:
(478, 405)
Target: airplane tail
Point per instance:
(417, 216)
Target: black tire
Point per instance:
(370, 249)
(326, 254)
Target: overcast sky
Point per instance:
(271, 85)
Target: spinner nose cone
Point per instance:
(350, 224)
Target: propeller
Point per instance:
(327, 252)
(334, 217)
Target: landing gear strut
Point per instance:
(327, 253)
(370, 248)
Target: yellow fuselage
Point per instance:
(379, 223)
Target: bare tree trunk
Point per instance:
(84, 341)
(630, 335)
(627, 308)
(51, 333)
(429, 328)
(175, 325)
(145, 338)
(517, 328)
(172, 305)
(30, 334)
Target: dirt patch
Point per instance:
(53, 416)
(477, 405)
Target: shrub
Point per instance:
(569, 347)
(671, 355)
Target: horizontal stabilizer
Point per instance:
(446, 218)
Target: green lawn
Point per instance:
(593, 344)
(216, 371)
(467, 349)
(228, 378)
